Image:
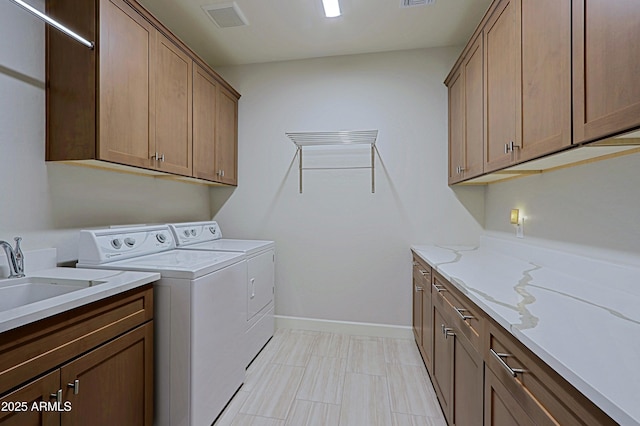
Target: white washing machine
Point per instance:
(199, 318)
(260, 284)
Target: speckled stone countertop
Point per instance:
(578, 314)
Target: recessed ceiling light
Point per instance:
(331, 8)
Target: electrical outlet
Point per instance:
(520, 230)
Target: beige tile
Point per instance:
(295, 348)
(331, 344)
(366, 355)
(227, 416)
(246, 420)
(365, 401)
(323, 380)
(273, 394)
(258, 366)
(401, 351)
(410, 392)
(307, 413)
(399, 419)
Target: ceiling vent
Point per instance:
(225, 15)
(411, 3)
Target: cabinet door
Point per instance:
(173, 108)
(127, 57)
(417, 304)
(546, 77)
(113, 384)
(473, 71)
(456, 127)
(606, 65)
(442, 360)
(227, 137)
(204, 124)
(35, 392)
(427, 321)
(468, 370)
(502, 70)
(500, 407)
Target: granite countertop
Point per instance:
(107, 283)
(579, 315)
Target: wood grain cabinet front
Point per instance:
(131, 100)
(510, 90)
(422, 322)
(606, 64)
(93, 364)
(520, 387)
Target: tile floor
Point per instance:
(309, 378)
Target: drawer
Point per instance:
(464, 315)
(545, 396)
(38, 347)
(421, 268)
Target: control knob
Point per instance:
(161, 238)
(116, 243)
(186, 232)
(193, 232)
(129, 242)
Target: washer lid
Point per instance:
(249, 247)
(185, 264)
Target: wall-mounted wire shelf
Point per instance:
(345, 137)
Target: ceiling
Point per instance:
(296, 29)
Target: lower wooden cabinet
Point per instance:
(91, 365)
(422, 318)
(457, 365)
(481, 373)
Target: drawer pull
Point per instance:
(499, 357)
(460, 312)
(57, 395)
(419, 288)
(424, 273)
(448, 332)
(415, 263)
(439, 288)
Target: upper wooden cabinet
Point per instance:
(172, 150)
(546, 78)
(466, 116)
(525, 47)
(226, 137)
(502, 66)
(606, 65)
(131, 100)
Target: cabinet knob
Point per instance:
(75, 386)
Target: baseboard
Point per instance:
(344, 327)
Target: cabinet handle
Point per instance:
(75, 386)
(222, 173)
(446, 331)
(439, 288)
(57, 395)
(513, 146)
(161, 158)
(419, 288)
(253, 287)
(415, 263)
(154, 156)
(512, 371)
(506, 148)
(461, 169)
(423, 273)
(464, 317)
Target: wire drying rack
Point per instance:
(338, 138)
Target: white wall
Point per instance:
(343, 252)
(47, 203)
(592, 207)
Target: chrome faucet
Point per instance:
(15, 257)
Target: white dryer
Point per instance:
(199, 320)
(260, 284)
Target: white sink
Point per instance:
(24, 291)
